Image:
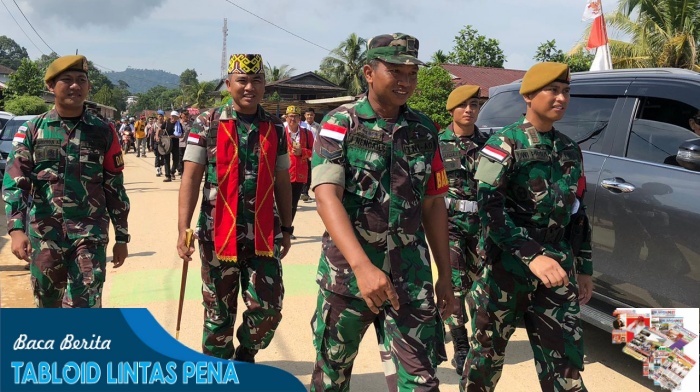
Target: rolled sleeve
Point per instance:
(327, 173)
(196, 154)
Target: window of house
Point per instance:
(659, 128)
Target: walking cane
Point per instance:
(183, 283)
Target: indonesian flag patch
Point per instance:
(19, 137)
(335, 132)
(193, 138)
(494, 153)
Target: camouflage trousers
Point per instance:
(411, 342)
(553, 326)
(68, 273)
(466, 266)
(260, 279)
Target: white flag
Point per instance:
(592, 11)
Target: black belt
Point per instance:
(550, 235)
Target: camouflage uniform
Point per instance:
(73, 171)
(460, 155)
(259, 277)
(386, 170)
(527, 192)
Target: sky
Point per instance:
(174, 35)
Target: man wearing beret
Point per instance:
(71, 163)
(380, 183)
(459, 145)
(531, 186)
(301, 143)
(244, 225)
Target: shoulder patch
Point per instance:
(119, 160)
(333, 131)
(494, 153)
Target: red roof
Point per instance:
(482, 76)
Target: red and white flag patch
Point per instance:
(494, 153)
(335, 132)
(193, 138)
(19, 138)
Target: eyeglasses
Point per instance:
(696, 119)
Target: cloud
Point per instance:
(77, 13)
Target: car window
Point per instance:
(659, 128)
(585, 120)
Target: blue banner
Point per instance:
(115, 350)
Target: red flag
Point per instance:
(599, 35)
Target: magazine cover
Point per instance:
(644, 343)
(674, 369)
(656, 312)
(663, 324)
(655, 361)
(631, 322)
(680, 336)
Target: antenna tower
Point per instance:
(224, 64)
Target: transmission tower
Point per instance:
(224, 62)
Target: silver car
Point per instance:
(8, 133)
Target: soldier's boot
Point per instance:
(244, 354)
(460, 341)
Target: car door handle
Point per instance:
(617, 185)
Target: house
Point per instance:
(5, 73)
(484, 77)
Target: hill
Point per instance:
(142, 80)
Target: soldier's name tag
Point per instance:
(451, 157)
(531, 154)
(419, 147)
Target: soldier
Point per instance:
(530, 188)
(242, 151)
(459, 146)
(377, 171)
(71, 163)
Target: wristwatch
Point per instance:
(287, 229)
(123, 239)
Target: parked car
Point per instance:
(4, 117)
(642, 166)
(8, 133)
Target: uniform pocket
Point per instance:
(364, 179)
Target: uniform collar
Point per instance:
(364, 111)
(229, 112)
(53, 116)
(449, 133)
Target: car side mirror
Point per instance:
(688, 155)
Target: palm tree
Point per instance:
(204, 95)
(439, 57)
(343, 66)
(273, 74)
(664, 33)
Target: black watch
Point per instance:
(123, 239)
(287, 229)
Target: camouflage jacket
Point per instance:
(460, 155)
(73, 170)
(201, 148)
(386, 173)
(528, 180)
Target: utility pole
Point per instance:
(224, 62)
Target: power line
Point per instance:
(20, 27)
(30, 25)
(279, 27)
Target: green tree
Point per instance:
(439, 57)
(97, 78)
(663, 33)
(27, 80)
(11, 54)
(204, 95)
(104, 96)
(578, 61)
(433, 88)
(45, 60)
(26, 104)
(477, 50)
(273, 74)
(343, 66)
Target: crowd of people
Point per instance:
(389, 186)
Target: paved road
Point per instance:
(150, 278)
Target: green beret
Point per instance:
(397, 48)
(542, 74)
(66, 63)
(461, 94)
